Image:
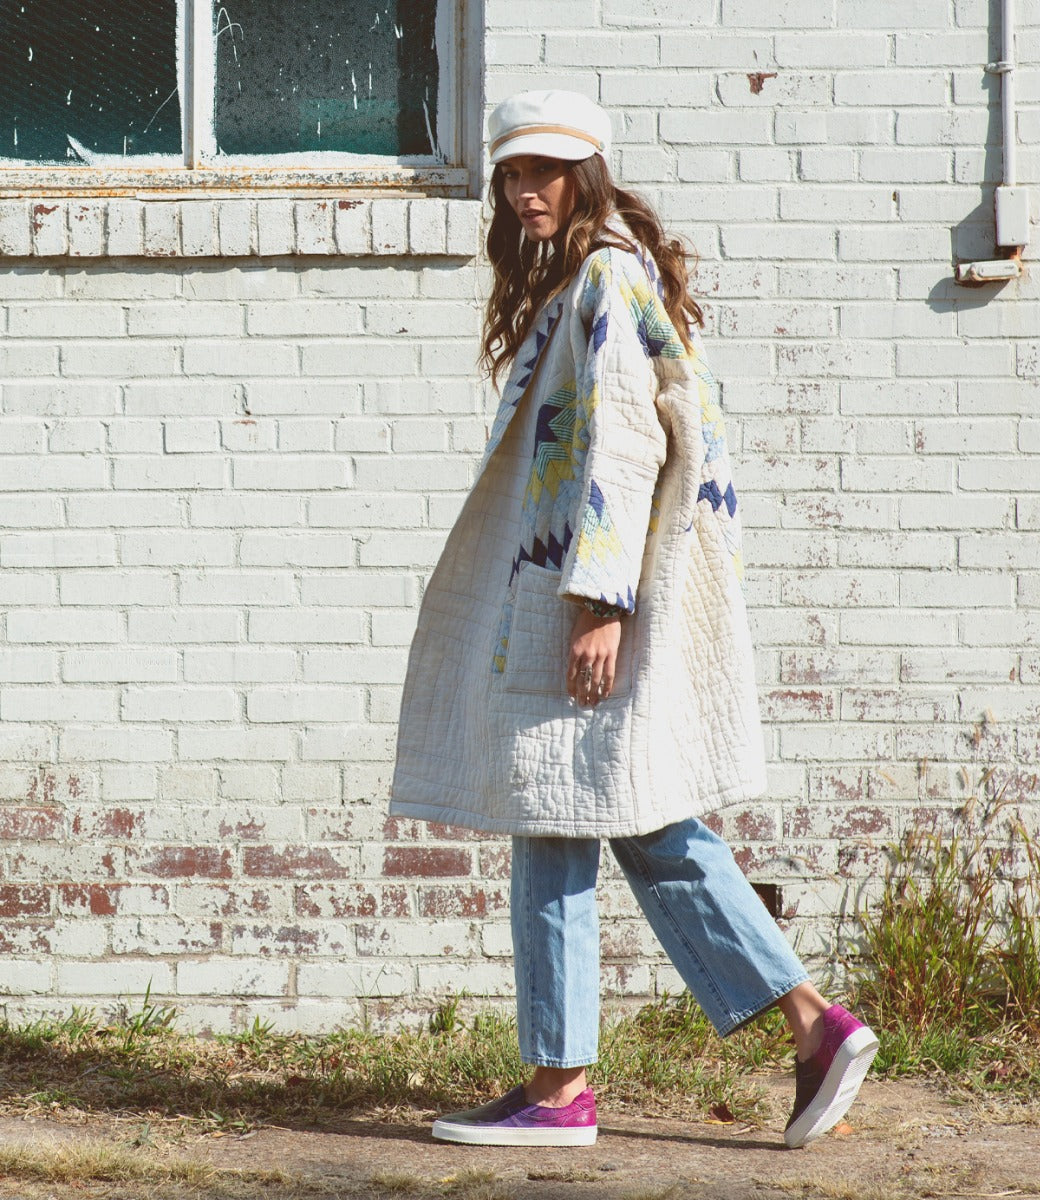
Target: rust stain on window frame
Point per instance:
(415, 182)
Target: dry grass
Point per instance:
(397, 1183)
(474, 1184)
(135, 1173)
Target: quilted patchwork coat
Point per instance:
(606, 475)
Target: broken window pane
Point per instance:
(359, 77)
(86, 78)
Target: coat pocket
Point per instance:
(540, 638)
(539, 634)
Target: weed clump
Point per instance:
(950, 966)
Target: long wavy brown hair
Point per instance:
(527, 274)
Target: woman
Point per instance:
(582, 667)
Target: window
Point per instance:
(260, 93)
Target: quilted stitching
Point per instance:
(574, 499)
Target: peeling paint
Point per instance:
(39, 212)
(757, 80)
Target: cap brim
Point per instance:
(546, 145)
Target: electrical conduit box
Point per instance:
(1012, 212)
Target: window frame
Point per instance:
(459, 109)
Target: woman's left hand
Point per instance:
(593, 657)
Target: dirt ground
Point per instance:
(905, 1140)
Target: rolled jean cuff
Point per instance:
(540, 1060)
(740, 1021)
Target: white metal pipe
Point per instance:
(1007, 89)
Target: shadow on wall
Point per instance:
(974, 237)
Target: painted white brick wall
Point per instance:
(223, 481)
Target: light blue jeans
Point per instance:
(708, 918)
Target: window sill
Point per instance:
(237, 227)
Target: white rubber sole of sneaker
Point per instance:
(477, 1135)
(838, 1090)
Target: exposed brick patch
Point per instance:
(266, 940)
(26, 938)
(461, 901)
(28, 901)
(185, 862)
(799, 704)
(97, 899)
(166, 935)
(861, 861)
(248, 829)
(754, 825)
(29, 824)
(294, 862)
(824, 822)
(116, 823)
(779, 860)
(331, 825)
(714, 822)
(402, 829)
(623, 939)
(495, 862)
(838, 784)
(351, 900)
(433, 862)
(458, 833)
(223, 900)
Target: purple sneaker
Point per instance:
(826, 1085)
(511, 1121)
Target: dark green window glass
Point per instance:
(85, 77)
(326, 75)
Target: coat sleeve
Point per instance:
(618, 435)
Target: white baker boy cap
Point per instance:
(555, 124)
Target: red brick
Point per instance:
(23, 939)
(495, 862)
(98, 899)
(223, 900)
(331, 824)
(623, 939)
(286, 939)
(29, 824)
(837, 784)
(426, 862)
(402, 829)
(185, 862)
(461, 902)
(715, 823)
(863, 861)
(118, 823)
(1020, 788)
(798, 704)
(825, 821)
(751, 825)
(784, 861)
(250, 830)
(351, 900)
(16, 901)
(458, 833)
(294, 862)
(45, 788)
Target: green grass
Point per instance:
(666, 1055)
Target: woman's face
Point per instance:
(541, 192)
